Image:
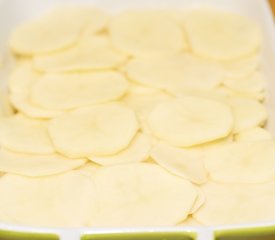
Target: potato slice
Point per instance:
(253, 134)
(64, 200)
(25, 135)
(221, 35)
(199, 201)
(248, 113)
(144, 33)
(68, 91)
(141, 194)
(191, 121)
(137, 151)
(89, 169)
(253, 201)
(185, 163)
(91, 53)
(56, 30)
(242, 162)
(35, 165)
(6, 109)
(108, 129)
(175, 73)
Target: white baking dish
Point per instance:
(12, 12)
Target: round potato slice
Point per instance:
(220, 35)
(186, 163)
(91, 53)
(253, 134)
(55, 30)
(141, 194)
(64, 200)
(100, 130)
(25, 135)
(242, 162)
(248, 113)
(177, 72)
(190, 121)
(252, 201)
(68, 91)
(137, 151)
(34, 165)
(144, 33)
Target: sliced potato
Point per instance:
(253, 134)
(191, 121)
(141, 194)
(100, 130)
(199, 201)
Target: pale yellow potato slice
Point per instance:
(183, 162)
(237, 203)
(248, 113)
(141, 194)
(199, 201)
(6, 109)
(99, 130)
(175, 73)
(221, 35)
(25, 135)
(91, 53)
(63, 200)
(137, 151)
(191, 121)
(56, 30)
(89, 169)
(138, 89)
(242, 162)
(35, 165)
(69, 91)
(253, 134)
(144, 33)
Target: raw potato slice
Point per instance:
(138, 89)
(64, 200)
(100, 130)
(221, 35)
(91, 53)
(34, 165)
(144, 33)
(141, 194)
(137, 151)
(254, 134)
(6, 109)
(68, 91)
(254, 203)
(185, 163)
(252, 84)
(242, 67)
(248, 113)
(25, 135)
(191, 121)
(176, 72)
(89, 169)
(199, 201)
(242, 162)
(55, 30)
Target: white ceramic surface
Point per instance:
(13, 12)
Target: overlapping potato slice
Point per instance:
(141, 194)
(64, 200)
(137, 151)
(253, 202)
(242, 162)
(138, 89)
(68, 91)
(248, 113)
(253, 134)
(177, 72)
(56, 30)
(221, 35)
(89, 169)
(25, 135)
(99, 130)
(191, 121)
(35, 165)
(91, 53)
(6, 108)
(186, 163)
(144, 33)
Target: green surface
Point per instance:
(142, 236)
(259, 233)
(9, 235)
